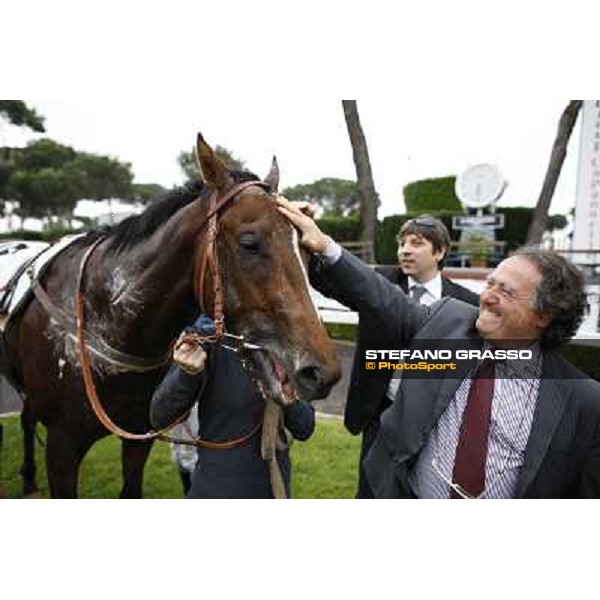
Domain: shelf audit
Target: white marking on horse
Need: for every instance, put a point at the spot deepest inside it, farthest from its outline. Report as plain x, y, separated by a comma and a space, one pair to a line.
296, 246
61, 365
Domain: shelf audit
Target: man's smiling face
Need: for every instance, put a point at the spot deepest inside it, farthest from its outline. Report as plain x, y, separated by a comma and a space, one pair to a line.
506, 305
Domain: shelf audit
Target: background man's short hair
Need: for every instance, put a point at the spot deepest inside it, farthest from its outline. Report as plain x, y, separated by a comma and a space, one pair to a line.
430, 228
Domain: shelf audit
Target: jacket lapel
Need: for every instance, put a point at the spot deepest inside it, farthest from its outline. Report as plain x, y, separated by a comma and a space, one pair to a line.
553, 397
424, 400
446, 287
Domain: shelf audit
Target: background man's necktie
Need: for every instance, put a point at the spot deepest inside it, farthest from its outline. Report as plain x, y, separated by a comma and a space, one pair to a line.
416, 293
471, 450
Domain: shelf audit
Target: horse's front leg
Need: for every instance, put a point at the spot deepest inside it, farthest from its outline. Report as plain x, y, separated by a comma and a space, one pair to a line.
64, 453
134, 455
28, 470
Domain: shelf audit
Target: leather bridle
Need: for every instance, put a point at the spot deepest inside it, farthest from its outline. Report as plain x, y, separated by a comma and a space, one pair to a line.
206, 260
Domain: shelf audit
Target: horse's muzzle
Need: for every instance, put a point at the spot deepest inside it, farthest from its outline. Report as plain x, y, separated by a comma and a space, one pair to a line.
314, 380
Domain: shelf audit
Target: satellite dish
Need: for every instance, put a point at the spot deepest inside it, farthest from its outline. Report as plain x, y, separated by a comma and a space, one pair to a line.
480, 185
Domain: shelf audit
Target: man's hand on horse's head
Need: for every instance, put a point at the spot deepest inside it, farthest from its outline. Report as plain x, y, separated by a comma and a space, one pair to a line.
301, 214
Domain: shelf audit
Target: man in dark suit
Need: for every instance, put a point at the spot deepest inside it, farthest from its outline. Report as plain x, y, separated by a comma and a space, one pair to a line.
494, 428
423, 244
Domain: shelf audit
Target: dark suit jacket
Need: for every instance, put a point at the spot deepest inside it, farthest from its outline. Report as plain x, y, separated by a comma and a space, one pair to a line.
366, 395
562, 457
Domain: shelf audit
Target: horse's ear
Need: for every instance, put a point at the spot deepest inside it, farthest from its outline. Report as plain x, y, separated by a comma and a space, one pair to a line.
272, 179
212, 169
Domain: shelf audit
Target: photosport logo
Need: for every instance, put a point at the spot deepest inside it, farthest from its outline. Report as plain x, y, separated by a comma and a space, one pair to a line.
444, 358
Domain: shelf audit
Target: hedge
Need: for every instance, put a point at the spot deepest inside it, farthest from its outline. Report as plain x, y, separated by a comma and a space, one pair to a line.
516, 224
429, 195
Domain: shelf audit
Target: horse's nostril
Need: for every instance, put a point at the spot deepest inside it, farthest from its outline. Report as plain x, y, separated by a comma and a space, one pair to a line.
315, 381
309, 373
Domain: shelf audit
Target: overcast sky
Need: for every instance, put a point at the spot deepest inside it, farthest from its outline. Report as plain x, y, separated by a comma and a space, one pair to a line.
408, 139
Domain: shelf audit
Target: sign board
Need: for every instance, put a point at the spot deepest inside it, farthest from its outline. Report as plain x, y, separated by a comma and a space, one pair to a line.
587, 205
495, 221
479, 186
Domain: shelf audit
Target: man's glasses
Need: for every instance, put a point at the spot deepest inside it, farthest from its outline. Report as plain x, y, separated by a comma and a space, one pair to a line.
456, 487
424, 222
507, 293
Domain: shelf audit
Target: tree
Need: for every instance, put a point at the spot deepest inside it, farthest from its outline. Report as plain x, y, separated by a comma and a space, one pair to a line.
368, 196
336, 197
44, 193
100, 177
37, 181
16, 112
146, 192
48, 178
43, 153
557, 158
189, 166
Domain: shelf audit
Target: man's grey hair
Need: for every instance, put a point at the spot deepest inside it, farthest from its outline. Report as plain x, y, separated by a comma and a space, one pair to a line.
561, 292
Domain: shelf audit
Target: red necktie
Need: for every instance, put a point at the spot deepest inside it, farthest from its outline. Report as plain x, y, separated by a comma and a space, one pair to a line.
471, 450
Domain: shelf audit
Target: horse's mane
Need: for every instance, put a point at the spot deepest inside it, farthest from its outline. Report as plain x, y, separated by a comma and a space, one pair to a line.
138, 228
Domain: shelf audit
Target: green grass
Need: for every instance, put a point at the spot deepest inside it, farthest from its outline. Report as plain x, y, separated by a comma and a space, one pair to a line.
326, 466
323, 467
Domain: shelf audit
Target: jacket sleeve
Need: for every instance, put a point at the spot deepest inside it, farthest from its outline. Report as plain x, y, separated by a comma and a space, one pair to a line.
299, 419
588, 483
174, 396
361, 289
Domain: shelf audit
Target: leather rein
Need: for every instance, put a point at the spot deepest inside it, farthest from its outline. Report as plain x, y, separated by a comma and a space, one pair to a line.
204, 260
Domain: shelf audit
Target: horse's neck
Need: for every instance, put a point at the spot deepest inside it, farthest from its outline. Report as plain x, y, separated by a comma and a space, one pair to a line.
150, 287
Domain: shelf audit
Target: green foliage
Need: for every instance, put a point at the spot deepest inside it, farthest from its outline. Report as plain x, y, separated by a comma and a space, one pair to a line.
431, 195
516, 224
99, 177
341, 229
585, 358
336, 197
43, 193
146, 192
556, 222
18, 113
341, 331
47, 179
44, 153
326, 466
22, 234
189, 166
233, 162
100, 472
5, 173
323, 467
517, 220
386, 247
51, 235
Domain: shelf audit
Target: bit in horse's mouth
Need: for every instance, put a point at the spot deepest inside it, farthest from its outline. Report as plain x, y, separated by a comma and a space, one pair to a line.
273, 378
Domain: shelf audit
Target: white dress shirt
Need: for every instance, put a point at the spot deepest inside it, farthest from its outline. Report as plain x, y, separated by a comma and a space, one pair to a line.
433, 289
433, 293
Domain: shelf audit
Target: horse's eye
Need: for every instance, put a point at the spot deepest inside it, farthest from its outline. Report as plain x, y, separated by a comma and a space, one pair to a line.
250, 242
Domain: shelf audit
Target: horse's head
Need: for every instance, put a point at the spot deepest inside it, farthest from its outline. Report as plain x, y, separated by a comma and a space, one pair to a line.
266, 294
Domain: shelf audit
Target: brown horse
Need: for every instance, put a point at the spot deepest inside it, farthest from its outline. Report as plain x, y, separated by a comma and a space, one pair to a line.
140, 285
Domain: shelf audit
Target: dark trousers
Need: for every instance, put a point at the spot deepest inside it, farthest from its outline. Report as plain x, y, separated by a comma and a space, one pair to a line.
368, 437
